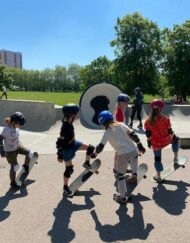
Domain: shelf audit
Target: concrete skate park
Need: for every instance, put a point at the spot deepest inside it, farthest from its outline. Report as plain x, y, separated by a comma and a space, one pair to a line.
38, 213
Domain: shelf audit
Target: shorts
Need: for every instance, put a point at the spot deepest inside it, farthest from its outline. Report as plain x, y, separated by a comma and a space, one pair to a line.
69, 154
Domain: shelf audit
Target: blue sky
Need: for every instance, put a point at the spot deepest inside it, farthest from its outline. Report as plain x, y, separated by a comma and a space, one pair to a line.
61, 32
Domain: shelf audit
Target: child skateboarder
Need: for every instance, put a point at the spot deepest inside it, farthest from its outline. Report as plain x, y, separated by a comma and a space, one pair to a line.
122, 104
10, 145
67, 145
159, 134
122, 139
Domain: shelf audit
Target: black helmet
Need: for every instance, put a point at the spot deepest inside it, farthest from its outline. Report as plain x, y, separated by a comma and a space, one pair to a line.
18, 117
70, 109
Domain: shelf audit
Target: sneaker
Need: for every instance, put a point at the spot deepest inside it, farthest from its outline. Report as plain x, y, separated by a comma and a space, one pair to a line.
86, 165
119, 199
132, 179
130, 125
176, 161
157, 178
67, 192
139, 126
14, 185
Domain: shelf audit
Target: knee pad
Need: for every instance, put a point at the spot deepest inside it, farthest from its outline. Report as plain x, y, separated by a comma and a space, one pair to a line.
90, 149
119, 176
68, 171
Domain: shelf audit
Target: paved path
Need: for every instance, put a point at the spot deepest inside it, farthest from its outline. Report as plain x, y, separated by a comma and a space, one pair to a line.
39, 213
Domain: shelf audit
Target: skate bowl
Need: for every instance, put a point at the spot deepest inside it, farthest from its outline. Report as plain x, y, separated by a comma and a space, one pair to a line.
40, 116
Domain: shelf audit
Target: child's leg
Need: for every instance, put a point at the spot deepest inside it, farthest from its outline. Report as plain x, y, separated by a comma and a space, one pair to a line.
134, 165
89, 151
157, 162
68, 172
28, 155
121, 164
12, 160
175, 149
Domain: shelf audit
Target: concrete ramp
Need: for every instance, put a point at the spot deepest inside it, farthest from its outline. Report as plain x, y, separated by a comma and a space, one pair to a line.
40, 116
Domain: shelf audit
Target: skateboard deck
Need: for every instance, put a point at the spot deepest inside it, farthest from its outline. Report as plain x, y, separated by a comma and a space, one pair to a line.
23, 174
84, 176
181, 163
141, 173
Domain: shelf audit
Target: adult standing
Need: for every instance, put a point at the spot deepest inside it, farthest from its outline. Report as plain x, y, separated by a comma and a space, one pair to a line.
137, 107
4, 90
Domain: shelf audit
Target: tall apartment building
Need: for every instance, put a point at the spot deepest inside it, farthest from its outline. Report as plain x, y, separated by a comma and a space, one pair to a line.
11, 58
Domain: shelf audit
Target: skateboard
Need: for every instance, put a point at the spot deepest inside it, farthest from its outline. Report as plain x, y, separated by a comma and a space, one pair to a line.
141, 174
84, 176
23, 174
181, 163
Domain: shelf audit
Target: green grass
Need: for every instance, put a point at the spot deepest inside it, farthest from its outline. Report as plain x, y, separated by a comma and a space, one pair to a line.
61, 98
54, 97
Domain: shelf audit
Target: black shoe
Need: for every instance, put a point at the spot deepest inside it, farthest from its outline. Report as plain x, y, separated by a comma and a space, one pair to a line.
67, 192
13, 185
140, 126
119, 199
86, 165
130, 125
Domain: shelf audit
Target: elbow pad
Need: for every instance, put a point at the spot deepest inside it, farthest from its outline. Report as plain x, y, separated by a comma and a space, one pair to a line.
134, 137
59, 143
148, 133
99, 148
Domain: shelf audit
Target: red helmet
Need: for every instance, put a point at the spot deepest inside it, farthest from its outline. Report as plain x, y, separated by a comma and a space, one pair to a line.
156, 103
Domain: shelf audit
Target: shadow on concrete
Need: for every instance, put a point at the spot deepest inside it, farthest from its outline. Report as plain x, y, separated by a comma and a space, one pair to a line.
172, 201
11, 195
127, 228
60, 231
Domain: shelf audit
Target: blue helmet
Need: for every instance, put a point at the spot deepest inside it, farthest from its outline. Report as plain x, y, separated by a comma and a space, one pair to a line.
104, 116
70, 109
123, 98
18, 118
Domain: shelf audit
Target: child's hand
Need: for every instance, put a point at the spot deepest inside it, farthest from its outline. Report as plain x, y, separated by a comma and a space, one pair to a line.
93, 155
60, 160
149, 143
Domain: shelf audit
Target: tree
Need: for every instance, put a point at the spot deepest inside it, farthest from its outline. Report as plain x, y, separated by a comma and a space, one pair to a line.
5, 76
97, 71
73, 76
138, 53
177, 58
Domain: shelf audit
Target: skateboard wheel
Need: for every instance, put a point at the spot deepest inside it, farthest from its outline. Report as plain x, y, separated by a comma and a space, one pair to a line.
144, 176
183, 166
96, 172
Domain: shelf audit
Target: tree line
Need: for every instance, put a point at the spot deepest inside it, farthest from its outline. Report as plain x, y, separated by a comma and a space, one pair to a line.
156, 60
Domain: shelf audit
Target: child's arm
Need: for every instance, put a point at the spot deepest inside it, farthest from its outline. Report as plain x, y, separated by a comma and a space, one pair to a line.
2, 152
59, 145
136, 139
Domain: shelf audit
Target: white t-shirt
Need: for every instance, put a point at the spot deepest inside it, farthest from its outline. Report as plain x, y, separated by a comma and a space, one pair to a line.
4, 90
117, 136
11, 138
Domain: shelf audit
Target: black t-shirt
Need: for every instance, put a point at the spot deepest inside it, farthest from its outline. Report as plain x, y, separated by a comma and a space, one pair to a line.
67, 131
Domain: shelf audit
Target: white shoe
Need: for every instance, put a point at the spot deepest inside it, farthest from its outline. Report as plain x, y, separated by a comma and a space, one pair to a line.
157, 178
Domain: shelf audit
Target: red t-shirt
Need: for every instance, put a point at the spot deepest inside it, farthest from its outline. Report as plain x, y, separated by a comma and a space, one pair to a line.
119, 114
160, 137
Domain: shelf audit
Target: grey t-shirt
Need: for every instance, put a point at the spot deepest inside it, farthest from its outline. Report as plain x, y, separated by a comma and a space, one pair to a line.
11, 138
